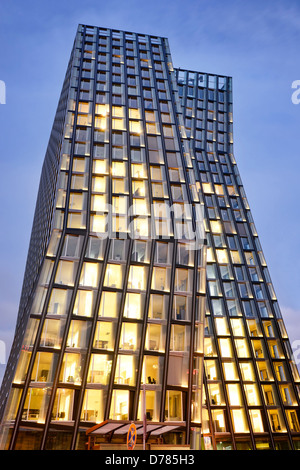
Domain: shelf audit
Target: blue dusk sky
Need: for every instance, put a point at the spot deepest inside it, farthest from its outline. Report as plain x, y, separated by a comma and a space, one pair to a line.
255, 42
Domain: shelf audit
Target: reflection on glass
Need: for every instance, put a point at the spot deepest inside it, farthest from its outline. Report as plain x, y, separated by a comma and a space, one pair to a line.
119, 405
126, 370
109, 304
134, 305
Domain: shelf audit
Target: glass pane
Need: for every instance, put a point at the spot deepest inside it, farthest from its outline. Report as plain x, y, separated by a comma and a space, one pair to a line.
99, 369
93, 406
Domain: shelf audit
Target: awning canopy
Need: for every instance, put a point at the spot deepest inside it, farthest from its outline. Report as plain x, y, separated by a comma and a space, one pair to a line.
121, 428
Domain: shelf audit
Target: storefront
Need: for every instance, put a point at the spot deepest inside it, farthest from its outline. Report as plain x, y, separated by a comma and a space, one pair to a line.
112, 435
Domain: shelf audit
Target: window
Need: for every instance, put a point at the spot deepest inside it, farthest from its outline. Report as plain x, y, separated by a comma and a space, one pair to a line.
130, 336
93, 406
99, 369
105, 335
173, 406
114, 276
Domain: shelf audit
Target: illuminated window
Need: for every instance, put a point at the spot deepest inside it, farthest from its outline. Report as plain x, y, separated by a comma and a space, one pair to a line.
134, 305
93, 406
119, 409
180, 338
230, 371
114, 276
239, 419
158, 306
66, 272
22, 367
155, 337
137, 278
63, 405
219, 420
126, 370
59, 301
225, 347
109, 304
160, 278
36, 405
99, 369
105, 335
173, 406
216, 394
130, 336
84, 303
78, 335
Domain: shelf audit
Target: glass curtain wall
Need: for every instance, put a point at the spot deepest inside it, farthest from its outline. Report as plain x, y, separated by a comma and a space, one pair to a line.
120, 300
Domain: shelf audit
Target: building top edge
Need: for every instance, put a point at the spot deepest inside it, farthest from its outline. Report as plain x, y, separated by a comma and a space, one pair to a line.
123, 31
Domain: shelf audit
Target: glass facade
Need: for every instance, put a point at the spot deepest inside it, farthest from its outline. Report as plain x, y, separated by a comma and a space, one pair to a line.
145, 278
251, 383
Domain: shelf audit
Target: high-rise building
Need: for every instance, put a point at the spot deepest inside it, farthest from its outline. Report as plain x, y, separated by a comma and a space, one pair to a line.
146, 294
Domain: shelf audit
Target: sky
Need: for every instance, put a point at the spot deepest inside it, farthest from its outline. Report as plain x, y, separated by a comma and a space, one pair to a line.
254, 42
